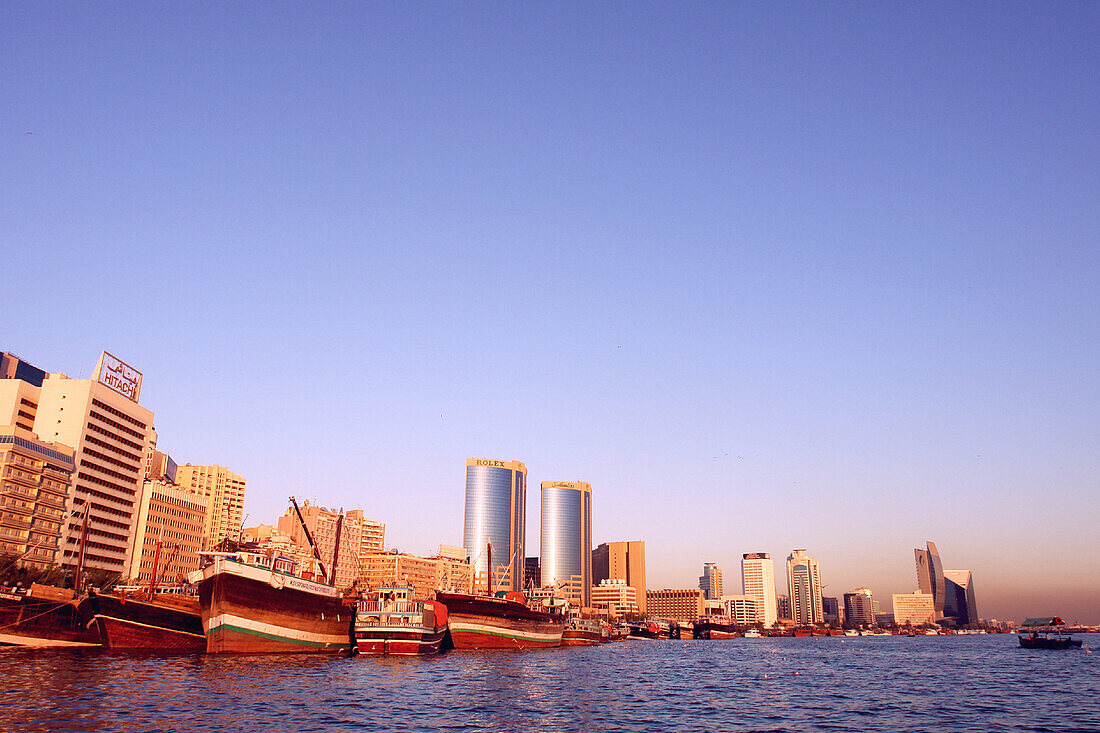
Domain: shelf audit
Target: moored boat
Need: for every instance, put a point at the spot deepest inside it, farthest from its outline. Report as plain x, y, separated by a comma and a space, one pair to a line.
715, 628
42, 616
644, 630
499, 622
753, 634
393, 623
582, 632
144, 620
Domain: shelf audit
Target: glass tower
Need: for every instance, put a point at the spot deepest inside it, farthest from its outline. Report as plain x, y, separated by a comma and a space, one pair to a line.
930, 575
566, 551
804, 585
495, 517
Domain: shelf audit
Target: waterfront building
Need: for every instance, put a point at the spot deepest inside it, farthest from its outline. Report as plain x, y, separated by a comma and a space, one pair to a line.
321, 523
834, 613
680, 604
930, 575
453, 552
959, 602
917, 608
758, 581
373, 534
710, 582
565, 558
615, 599
109, 432
223, 491
783, 607
804, 586
34, 484
532, 573
859, 607
625, 561
424, 575
742, 609
168, 532
496, 516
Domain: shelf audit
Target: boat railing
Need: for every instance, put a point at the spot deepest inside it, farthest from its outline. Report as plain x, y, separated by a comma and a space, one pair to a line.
376, 606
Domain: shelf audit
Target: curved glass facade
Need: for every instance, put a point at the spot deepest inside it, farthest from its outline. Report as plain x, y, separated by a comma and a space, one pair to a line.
566, 539
495, 514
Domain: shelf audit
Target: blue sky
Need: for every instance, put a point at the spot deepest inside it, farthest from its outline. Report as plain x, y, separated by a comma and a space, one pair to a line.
767, 276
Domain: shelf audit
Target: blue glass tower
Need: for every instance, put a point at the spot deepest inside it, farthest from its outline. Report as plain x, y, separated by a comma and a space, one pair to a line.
566, 549
495, 517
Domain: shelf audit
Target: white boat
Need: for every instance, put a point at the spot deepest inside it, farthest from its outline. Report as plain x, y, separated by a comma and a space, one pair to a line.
753, 634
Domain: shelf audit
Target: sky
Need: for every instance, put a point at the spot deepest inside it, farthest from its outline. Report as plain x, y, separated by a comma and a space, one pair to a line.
768, 276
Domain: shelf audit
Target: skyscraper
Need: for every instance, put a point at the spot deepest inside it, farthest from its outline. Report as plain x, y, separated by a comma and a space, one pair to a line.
930, 575
565, 557
223, 491
496, 517
959, 602
623, 561
758, 581
804, 585
859, 607
710, 582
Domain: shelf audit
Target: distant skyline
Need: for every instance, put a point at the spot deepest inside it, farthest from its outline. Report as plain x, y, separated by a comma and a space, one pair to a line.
766, 276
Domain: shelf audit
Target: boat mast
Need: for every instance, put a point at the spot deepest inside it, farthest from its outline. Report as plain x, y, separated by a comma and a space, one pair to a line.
156, 561
83, 544
309, 537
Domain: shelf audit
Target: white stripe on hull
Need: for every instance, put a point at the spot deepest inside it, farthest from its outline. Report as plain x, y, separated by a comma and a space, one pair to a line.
148, 626
473, 628
258, 627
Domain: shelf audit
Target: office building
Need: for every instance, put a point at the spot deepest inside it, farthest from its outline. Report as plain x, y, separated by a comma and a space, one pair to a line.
168, 534
930, 575
494, 522
742, 609
321, 523
783, 607
804, 586
710, 582
758, 581
834, 613
532, 573
424, 575
623, 561
565, 557
615, 599
373, 534
959, 602
686, 604
916, 609
859, 607
34, 484
109, 432
223, 491
452, 552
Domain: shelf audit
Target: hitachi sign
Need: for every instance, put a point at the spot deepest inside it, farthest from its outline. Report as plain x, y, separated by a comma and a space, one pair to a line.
119, 376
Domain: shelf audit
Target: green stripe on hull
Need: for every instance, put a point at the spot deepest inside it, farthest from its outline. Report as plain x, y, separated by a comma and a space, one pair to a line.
506, 635
276, 637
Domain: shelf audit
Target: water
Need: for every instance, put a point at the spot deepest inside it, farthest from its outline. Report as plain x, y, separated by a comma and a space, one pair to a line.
975, 683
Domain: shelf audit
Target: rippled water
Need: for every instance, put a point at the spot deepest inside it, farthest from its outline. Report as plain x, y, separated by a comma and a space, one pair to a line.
827, 684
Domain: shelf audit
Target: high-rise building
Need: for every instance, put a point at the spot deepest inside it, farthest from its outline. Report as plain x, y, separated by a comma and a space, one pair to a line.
321, 523
168, 533
804, 585
859, 607
565, 557
109, 432
959, 602
679, 604
758, 581
622, 561
783, 606
224, 494
710, 582
34, 483
532, 573
917, 608
495, 521
372, 533
930, 575
615, 599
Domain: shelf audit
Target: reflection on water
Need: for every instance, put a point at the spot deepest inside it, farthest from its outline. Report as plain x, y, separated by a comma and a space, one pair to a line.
836, 684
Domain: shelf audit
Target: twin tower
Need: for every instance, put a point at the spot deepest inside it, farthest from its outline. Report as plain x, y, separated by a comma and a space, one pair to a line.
495, 529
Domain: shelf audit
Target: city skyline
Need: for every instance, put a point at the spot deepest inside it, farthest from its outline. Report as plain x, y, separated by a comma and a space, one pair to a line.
767, 278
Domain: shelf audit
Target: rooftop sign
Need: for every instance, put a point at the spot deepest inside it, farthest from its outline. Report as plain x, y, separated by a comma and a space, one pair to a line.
119, 376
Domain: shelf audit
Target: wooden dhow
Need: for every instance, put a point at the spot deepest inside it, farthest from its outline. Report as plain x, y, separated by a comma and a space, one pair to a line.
393, 623
499, 622
140, 619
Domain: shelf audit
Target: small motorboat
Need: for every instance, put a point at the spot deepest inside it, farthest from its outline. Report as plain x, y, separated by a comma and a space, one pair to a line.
1044, 632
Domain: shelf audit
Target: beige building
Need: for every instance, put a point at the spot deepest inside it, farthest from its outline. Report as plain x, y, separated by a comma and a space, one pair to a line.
685, 604
615, 599
321, 523
34, 484
423, 574
914, 608
109, 431
373, 533
742, 609
623, 561
223, 491
174, 517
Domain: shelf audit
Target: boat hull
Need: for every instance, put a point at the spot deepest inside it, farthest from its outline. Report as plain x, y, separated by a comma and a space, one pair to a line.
582, 632
483, 622
397, 640
1040, 642
402, 627
252, 610
134, 623
30, 621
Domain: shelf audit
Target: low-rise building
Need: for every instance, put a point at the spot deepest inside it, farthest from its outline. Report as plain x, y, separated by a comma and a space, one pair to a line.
675, 604
615, 599
914, 608
742, 609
